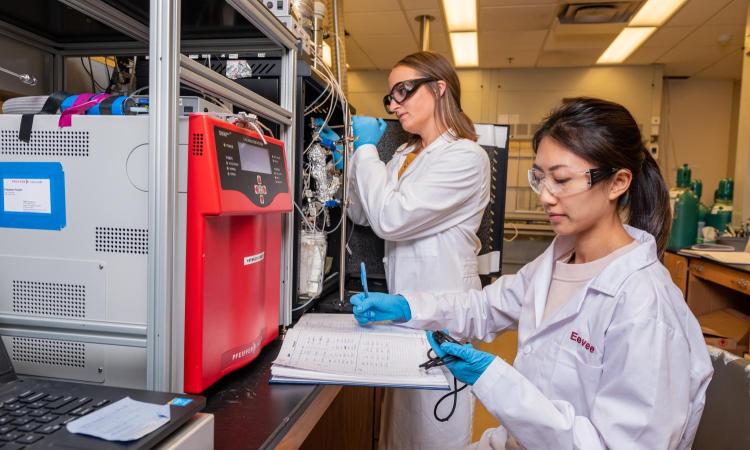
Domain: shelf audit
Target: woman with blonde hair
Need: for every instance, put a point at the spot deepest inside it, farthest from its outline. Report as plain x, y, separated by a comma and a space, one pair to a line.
427, 204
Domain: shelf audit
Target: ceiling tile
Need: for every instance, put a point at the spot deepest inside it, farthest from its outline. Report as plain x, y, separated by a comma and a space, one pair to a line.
647, 55
517, 40
682, 68
381, 49
351, 6
439, 43
356, 57
685, 60
376, 23
483, 3
418, 4
513, 18
696, 12
735, 13
667, 36
506, 58
729, 67
709, 35
570, 58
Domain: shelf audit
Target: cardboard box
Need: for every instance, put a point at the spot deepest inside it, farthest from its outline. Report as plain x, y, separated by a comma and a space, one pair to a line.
727, 329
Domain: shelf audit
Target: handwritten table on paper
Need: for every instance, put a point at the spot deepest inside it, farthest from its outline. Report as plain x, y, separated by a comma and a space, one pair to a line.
334, 348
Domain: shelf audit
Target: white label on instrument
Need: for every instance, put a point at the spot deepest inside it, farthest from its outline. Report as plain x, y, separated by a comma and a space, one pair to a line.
254, 258
27, 195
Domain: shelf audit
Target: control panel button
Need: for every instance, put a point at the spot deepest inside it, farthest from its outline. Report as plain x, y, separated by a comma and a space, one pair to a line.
263, 190
262, 200
257, 189
259, 179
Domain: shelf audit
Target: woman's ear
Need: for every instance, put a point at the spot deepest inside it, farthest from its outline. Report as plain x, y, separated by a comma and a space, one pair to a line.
440, 88
620, 184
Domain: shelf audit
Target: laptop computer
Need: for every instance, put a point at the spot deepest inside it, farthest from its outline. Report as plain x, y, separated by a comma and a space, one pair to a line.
34, 412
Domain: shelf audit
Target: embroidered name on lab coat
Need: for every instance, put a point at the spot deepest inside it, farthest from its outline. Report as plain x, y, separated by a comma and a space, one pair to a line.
581, 341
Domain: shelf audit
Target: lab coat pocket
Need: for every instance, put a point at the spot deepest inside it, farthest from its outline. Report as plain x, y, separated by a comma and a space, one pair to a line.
576, 376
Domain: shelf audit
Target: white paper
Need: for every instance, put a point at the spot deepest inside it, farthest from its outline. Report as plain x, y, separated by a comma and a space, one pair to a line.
27, 195
334, 348
741, 258
125, 420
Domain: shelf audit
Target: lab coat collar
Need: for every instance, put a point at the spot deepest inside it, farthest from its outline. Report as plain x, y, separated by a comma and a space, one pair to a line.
441, 140
608, 282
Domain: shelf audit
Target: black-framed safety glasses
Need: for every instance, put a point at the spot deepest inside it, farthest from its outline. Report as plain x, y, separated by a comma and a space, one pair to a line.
402, 90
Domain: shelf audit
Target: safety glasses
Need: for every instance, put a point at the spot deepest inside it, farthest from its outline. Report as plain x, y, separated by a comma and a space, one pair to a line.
566, 181
402, 90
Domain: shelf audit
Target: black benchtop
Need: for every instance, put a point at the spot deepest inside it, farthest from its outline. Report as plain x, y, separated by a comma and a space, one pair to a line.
249, 412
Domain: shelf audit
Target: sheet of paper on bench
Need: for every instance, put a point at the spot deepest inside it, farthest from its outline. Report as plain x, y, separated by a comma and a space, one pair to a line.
724, 257
334, 349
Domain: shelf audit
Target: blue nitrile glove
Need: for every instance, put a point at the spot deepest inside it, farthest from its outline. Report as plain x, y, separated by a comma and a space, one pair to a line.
468, 363
329, 139
367, 130
378, 306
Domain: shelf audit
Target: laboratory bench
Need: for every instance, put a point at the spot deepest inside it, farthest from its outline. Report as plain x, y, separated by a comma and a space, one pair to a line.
709, 285
250, 413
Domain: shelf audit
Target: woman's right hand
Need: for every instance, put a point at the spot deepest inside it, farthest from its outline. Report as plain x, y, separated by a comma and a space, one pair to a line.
377, 306
367, 130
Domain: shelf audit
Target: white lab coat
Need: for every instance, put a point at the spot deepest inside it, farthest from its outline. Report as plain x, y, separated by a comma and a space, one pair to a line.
621, 366
429, 219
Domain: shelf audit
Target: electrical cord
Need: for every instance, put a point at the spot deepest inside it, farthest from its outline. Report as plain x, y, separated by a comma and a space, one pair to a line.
454, 394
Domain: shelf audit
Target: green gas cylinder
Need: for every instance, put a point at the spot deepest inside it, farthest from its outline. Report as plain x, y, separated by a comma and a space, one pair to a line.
683, 176
697, 186
684, 231
721, 211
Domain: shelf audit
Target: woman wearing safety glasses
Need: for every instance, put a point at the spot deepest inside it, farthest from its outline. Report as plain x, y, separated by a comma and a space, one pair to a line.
427, 204
609, 356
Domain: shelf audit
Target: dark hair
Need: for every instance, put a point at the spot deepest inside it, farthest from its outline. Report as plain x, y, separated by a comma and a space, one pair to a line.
605, 134
448, 107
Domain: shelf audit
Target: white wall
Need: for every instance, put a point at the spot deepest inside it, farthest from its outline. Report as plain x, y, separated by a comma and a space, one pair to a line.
742, 153
367, 88
527, 95
698, 117
697, 129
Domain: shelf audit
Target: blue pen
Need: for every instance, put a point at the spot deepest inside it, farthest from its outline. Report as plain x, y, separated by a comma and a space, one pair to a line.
363, 276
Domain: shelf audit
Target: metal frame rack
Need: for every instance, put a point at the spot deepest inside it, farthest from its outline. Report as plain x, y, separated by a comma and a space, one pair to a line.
161, 39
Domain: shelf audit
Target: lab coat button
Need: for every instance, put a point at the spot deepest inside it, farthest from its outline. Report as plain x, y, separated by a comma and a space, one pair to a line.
526, 349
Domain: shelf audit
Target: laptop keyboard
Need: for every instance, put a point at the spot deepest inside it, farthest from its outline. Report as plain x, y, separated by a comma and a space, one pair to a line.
31, 416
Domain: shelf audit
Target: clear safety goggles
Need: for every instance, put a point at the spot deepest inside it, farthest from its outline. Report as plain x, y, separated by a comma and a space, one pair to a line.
402, 90
565, 181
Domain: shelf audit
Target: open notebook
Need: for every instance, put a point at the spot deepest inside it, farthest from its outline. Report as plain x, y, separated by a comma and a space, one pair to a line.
334, 349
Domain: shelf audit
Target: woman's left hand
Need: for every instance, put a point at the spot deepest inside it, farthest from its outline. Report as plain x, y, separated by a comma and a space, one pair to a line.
367, 130
467, 363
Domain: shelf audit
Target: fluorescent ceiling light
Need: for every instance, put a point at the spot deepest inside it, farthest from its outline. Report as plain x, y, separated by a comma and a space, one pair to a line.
625, 44
465, 49
656, 12
460, 15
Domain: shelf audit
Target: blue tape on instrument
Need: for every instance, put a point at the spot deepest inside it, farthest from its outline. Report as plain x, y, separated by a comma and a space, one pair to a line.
33, 195
117, 106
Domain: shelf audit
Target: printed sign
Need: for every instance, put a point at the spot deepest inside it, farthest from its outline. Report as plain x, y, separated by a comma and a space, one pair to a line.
27, 195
